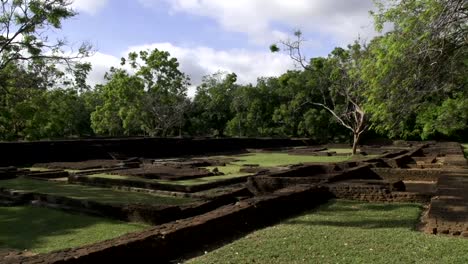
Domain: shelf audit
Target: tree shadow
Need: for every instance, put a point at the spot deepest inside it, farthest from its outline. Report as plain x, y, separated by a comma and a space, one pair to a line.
34, 228
343, 207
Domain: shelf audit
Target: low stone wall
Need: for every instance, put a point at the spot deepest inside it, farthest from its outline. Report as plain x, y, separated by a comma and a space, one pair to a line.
398, 174
306, 174
145, 213
173, 240
448, 211
53, 174
402, 160
24, 153
376, 192
108, 182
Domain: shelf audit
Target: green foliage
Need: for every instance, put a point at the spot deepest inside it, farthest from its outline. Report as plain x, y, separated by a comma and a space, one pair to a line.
32, 108
253, 108
417, 71
23, 24
48, 230
212, 103
119, 113
152, 101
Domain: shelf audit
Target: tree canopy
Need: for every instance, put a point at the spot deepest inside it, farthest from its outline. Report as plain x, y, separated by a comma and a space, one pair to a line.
408, 82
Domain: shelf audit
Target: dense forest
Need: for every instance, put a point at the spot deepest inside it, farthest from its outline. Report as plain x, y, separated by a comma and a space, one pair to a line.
410, 82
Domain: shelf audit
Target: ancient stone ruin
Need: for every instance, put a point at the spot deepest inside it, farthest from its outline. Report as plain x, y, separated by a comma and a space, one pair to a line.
433, 173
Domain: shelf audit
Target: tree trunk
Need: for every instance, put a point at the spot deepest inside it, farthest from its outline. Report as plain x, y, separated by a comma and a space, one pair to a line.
356, 137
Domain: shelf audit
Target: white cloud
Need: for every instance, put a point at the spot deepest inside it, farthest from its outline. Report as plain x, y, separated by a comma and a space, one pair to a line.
89, 6
339, 20
101, 63
199, 61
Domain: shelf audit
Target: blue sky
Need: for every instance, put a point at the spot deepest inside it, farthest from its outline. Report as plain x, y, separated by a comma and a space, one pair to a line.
211, 35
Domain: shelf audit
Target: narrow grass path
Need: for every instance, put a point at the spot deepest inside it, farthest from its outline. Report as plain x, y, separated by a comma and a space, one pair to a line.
103, 195
344, 232
42, 230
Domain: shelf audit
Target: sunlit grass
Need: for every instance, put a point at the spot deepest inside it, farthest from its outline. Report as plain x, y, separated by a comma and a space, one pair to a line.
344, 232
38, 169
282, 159
340, 150
43, 230
103, 195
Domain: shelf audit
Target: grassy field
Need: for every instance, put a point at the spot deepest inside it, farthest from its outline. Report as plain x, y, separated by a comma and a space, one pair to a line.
282, 159
42, 230
344, 232
97, 194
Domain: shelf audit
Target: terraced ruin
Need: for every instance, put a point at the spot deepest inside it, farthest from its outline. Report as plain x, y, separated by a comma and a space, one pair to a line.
187, 200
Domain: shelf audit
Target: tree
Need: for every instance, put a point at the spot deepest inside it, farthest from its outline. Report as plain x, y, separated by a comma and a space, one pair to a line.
152, 100
164, 101
417, 71
213, 101
23, 24
120, 112
338, 80
253, 108
33, 105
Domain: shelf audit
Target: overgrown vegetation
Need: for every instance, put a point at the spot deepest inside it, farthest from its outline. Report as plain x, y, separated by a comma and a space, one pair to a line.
344, 232
41, 230
103, 195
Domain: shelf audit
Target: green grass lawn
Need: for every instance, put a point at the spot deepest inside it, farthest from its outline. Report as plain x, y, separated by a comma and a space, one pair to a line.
282, 159
103, 195
344, 232
42, 230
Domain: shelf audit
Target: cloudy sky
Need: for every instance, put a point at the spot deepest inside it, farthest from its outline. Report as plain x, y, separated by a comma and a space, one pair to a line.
211, 35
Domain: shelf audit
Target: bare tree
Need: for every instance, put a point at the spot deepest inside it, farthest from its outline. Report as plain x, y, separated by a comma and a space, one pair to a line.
338, 81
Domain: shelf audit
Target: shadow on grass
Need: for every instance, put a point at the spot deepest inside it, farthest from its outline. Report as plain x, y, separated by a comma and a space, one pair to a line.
359, 215
42, 230
103, 195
